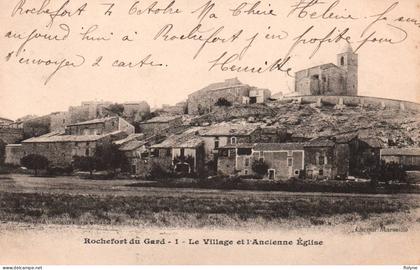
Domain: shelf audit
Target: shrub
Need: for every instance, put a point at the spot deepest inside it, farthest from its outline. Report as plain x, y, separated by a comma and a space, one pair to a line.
260, 167
110, 157
35, 162
53, 171
222, 102
156, 172
84, 164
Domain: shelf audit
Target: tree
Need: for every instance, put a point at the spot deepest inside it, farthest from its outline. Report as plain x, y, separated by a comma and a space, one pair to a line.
35, 162
222, 102
85, 164
260, 167
2, 151
117, 109
110, 157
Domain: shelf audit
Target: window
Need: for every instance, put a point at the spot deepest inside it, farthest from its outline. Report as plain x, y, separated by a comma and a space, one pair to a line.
87, 152
216, 142
155, 153
289, 162
169, 152
321, 172
342, 61
223, 152
321, 159
246, 162
246, 172
271, 174
244, 151
233, 140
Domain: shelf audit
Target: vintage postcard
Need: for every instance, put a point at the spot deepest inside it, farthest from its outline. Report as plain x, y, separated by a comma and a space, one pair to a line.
209, 132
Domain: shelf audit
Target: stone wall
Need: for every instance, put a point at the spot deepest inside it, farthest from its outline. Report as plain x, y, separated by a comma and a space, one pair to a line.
204, 101
320, 162
11, 135
13, 153
357, 101
61, 154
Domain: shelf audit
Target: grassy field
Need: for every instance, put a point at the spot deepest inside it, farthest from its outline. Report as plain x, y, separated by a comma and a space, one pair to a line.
75, 201
116, 204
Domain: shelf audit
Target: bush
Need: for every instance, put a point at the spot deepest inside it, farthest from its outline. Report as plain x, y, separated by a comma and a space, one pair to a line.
156, 172
57, 171
84, 164
260, 167
222, 102
34, 162
110, 157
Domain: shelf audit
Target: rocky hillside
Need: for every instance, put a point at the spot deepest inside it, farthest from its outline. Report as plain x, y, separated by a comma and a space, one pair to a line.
394, 127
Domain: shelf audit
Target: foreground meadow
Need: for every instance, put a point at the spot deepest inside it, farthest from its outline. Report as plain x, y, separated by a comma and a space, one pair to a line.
70, 200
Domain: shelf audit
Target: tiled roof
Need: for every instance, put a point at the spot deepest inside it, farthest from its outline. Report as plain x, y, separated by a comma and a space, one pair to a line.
345, 138
220, 85
372, 142
131, 137
239, 145
230, 130
68, 138
162, 119
400, 152
93, 121
132, 145
322, 66
278, 146
320, 142
188, 139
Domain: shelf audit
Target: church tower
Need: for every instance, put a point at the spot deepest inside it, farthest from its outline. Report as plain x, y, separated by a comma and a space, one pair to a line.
348, 61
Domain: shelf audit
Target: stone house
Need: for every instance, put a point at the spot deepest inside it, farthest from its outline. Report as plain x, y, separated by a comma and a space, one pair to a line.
284, 160
204, 100
59, 121
222, 134
136, 147
181, 153
100, 126
13, 154
5, 121
320, 159
136, 111
36, 126
177, 109
257, 95
408, 157
330, 79
273, 134
60, 149
9, 135
160, 124
80, 139
364, 155
135, 151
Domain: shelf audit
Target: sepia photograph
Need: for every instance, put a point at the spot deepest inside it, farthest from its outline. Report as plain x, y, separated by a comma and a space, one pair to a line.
192, 132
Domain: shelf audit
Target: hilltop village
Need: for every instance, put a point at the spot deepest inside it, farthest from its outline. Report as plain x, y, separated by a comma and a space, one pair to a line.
323, 130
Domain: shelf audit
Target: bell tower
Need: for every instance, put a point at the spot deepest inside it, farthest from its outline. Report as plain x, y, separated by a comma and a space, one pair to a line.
348, 61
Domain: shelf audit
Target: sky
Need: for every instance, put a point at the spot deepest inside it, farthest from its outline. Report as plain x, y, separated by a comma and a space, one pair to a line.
389, 71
